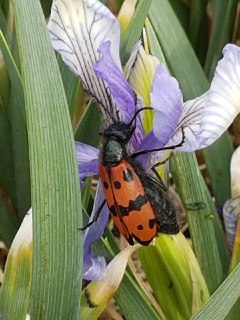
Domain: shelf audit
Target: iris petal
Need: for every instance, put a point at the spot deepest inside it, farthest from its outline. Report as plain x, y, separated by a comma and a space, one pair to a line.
121, 91
87, 159
231, 211
93, 267
77, 29
141, 74
223, 103
140, 78
167, 102
205, 118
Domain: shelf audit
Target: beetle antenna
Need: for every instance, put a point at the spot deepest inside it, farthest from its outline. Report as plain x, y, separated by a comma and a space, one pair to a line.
137, 112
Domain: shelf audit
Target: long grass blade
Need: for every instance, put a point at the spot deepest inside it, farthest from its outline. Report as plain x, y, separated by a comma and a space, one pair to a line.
223, 299
134, 29
55, 186
222, 26
16, 115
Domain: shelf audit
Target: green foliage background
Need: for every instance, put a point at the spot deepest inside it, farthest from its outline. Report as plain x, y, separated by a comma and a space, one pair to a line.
41, 101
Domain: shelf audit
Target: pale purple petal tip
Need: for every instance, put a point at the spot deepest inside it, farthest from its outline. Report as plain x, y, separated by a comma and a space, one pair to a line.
167, 101
121, 91
87, 159
94, 266
231, 211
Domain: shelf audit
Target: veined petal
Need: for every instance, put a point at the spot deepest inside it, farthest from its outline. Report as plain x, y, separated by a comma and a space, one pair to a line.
167, 102
190, 124
94, 267
205, 118
140, 78
223, 103
87, 159
77, 29
231, 211
109, 71
141, 74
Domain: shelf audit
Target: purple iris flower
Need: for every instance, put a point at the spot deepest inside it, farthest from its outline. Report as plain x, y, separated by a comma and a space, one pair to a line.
87, 36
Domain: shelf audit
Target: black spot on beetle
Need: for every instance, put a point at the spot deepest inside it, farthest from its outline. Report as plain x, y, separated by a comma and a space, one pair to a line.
105, 185
151, 223
117, 185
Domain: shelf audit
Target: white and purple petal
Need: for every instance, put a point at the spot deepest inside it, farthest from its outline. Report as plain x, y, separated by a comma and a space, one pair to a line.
77, 28
205, 118
109, 71
87, 159
223, 101
94, 267
190, 124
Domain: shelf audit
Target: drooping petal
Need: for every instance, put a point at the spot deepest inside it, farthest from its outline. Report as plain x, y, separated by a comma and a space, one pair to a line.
223, 103
94, 267
77, 29
231, 211
109, 71
205, 118
167, 102
100, 292
235, 173
87, 159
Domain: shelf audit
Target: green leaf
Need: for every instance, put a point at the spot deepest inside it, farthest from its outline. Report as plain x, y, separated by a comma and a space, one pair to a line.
182, 12
8, 223
177, 49
168, 274
224, 13
218, 168
54, 178
202, 218
198, 28
134, 30
222, 300
19, 143
4, 7
211, 251
71, 85
89, 124
6, 163
4, 26
156, 49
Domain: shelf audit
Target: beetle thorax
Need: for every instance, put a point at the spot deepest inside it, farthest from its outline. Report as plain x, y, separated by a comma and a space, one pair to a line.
112, 152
